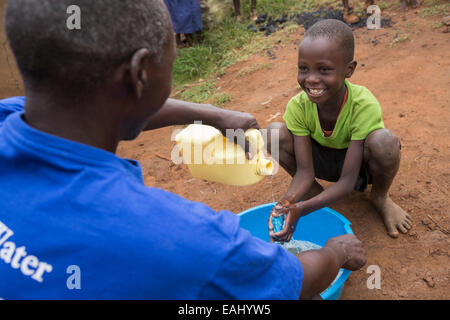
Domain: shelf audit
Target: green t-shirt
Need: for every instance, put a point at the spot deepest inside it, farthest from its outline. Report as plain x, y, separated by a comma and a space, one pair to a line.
360, 116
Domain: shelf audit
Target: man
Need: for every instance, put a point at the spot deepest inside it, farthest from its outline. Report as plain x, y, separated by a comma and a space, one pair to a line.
69, 204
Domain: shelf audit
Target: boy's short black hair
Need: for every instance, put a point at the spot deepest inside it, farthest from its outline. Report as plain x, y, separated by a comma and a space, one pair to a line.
335, 30
48, 53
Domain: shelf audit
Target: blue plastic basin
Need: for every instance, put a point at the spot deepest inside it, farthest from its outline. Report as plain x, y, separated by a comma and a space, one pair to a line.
316, 227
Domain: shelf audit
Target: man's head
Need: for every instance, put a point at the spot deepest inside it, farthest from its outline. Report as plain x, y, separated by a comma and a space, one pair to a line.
121, 41
325, 59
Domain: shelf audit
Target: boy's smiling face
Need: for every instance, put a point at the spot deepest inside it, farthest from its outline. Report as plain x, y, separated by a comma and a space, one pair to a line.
322, 69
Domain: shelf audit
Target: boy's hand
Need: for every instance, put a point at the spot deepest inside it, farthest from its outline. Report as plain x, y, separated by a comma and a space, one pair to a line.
293, 212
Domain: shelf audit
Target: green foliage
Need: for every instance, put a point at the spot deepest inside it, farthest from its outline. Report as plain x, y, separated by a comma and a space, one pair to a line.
253, 68
227, 42
435, 7
220, 99
199, 93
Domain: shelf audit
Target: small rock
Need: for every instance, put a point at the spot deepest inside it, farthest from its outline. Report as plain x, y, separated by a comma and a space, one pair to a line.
261, 18
446, 20
426, 222
401, 115
271, 55
429, 281
363, 65
403, 294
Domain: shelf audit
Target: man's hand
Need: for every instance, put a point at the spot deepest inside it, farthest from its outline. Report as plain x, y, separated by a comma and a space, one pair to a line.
293, 212
353, 251
230, 119
235, 120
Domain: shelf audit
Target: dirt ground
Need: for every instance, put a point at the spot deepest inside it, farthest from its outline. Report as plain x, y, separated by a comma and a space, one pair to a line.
411, 81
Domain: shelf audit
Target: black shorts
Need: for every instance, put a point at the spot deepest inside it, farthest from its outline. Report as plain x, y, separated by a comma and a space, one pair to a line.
328, 163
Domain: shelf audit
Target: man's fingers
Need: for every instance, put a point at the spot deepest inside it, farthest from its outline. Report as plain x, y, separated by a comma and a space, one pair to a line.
254, 125
245, 145
249, 152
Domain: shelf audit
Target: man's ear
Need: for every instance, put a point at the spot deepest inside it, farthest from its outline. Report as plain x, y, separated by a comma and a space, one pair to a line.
351, 66
139, 77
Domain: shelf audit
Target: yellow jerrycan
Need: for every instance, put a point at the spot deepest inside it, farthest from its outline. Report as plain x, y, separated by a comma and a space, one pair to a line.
211, 156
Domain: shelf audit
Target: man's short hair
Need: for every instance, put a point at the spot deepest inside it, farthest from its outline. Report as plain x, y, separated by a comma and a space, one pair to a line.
48, 53
336, 30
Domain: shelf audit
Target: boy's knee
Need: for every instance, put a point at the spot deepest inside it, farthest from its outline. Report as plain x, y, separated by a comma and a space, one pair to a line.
278, 135
383, 146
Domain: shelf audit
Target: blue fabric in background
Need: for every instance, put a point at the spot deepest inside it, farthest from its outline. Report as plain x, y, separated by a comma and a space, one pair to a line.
186, 15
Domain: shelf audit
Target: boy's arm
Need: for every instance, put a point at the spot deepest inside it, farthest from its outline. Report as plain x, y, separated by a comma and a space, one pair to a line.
177, 112
301, 182
337, 191
304, 176
346, 182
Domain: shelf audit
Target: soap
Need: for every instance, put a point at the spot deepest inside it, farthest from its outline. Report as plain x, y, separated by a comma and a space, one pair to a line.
278, 223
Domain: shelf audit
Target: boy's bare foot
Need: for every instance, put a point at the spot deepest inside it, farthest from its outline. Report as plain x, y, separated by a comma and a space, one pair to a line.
239, 18
395, 219
253, 15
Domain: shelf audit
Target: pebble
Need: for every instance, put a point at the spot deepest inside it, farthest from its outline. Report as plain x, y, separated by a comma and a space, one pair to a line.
429, 281
446, 20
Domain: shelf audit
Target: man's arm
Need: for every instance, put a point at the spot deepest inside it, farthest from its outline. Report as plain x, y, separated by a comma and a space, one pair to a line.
320, 267
177, 112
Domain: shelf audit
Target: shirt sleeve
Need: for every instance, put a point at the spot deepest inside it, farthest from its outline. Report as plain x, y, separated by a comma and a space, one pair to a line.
366, 119
295, 116
255, 270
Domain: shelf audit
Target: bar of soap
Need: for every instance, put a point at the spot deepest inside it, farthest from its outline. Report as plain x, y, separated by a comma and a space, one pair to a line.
278, 223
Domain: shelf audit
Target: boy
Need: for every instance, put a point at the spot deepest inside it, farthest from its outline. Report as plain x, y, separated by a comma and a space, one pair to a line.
334, 131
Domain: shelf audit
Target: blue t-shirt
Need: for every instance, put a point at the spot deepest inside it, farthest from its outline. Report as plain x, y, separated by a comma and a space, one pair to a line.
77, 222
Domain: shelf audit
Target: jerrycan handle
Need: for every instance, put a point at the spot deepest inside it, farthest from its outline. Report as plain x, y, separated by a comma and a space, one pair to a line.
264, 166
255, 139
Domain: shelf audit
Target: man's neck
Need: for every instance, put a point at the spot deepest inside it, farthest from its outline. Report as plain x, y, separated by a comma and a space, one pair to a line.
73, 120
